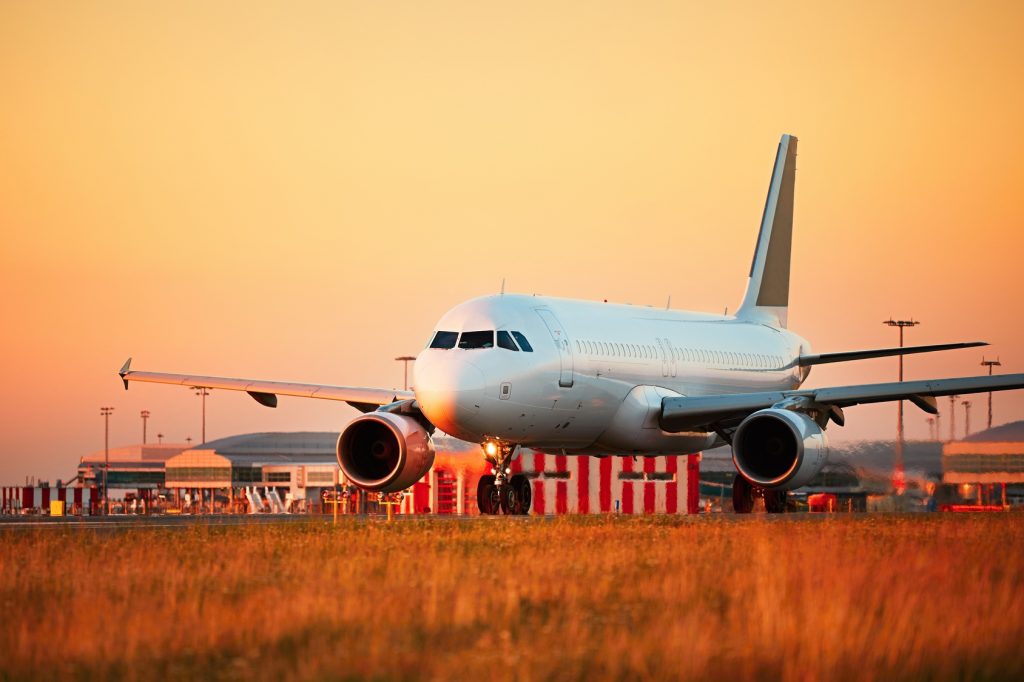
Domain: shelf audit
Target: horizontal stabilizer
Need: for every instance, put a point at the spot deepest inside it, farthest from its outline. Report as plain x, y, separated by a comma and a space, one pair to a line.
825, 358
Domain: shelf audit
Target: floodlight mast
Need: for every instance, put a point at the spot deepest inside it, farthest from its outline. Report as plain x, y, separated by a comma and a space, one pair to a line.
898, 466
202, 391
990, 364
105, 412
406, 359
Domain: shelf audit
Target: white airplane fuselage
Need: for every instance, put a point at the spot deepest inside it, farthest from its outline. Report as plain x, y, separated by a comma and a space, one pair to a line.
596, 375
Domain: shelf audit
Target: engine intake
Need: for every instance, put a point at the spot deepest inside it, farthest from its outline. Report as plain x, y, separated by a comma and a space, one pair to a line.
385, 452
779, 449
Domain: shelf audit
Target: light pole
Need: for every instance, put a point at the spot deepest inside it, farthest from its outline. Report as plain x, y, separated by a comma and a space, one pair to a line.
967, 418
159, 438
406, 359
900, 324
952, 417
145, 416
201, 391
897, 473
105, 412
990, 364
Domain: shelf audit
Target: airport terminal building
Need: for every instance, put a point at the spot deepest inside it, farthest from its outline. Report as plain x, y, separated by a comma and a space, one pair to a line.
988, 466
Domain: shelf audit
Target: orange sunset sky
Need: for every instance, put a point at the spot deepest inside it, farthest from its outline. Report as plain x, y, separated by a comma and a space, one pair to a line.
298, 190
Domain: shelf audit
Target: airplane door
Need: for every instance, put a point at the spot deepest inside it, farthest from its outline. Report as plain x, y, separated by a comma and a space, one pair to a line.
670, 351
561, 343
663, 352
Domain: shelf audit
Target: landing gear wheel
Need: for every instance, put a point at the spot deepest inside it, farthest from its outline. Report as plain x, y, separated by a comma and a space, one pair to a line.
742, 495
487, 495
524, 491
775, 501
516, 496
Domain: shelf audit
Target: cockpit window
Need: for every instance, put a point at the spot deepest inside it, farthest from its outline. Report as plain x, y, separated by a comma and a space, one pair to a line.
444, 340
470, 340
505, 341
523, 343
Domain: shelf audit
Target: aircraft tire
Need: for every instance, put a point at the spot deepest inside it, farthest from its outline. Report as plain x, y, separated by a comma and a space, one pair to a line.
742, 495
487, 496
775, 501
522, 495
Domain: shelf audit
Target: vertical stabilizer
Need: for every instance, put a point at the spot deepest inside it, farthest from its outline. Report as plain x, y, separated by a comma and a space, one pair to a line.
767, 296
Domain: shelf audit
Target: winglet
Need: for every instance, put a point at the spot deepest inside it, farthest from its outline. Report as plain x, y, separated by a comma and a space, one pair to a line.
124, 372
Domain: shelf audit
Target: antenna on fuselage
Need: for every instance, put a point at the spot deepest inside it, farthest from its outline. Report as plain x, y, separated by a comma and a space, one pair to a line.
669, 303
502, 286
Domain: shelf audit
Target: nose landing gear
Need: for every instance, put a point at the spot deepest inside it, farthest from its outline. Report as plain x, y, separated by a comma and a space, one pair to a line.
500, 493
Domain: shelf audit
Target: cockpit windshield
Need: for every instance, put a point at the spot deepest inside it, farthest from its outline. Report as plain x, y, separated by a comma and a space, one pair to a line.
505, 341
473, 340
523, 343
444, 340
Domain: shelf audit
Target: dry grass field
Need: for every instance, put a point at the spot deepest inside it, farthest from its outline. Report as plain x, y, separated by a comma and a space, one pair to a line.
847, 597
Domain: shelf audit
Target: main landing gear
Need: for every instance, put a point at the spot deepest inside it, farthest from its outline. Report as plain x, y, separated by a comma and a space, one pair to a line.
500, 493
744, 492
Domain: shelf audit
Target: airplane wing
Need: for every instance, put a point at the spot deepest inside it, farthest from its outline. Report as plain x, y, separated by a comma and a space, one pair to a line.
824, 358
718, 412
266, 392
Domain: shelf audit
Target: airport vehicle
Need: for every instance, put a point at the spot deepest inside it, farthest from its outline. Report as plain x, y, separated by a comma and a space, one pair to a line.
579, 377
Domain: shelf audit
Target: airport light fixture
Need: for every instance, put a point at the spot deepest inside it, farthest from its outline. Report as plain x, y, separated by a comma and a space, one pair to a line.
952, 417
203, 392
898, 479
105, 412
967, 418
145, 416
901, 325
406, 359
990, 364
159, 438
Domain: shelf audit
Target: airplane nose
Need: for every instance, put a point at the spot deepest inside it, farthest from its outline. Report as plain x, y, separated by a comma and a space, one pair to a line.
450, 391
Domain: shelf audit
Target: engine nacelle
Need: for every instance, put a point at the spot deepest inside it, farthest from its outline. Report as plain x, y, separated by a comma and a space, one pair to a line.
385, 452
779, 449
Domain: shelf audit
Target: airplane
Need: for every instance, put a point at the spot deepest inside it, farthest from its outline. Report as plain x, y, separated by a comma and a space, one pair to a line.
578, 377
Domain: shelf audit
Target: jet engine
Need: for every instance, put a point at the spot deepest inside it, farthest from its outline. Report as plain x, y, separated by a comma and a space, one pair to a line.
385, 452
779, 449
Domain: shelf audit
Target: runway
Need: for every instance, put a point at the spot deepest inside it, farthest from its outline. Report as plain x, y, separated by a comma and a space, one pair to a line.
120, 522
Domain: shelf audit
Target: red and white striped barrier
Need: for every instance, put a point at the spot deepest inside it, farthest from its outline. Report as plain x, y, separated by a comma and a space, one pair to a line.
15, 499
591, 485
568, 485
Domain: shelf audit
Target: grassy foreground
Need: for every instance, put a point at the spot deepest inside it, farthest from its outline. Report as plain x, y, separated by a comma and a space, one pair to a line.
848, 597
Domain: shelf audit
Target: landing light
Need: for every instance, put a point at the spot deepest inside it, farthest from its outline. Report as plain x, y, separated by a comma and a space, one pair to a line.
491, 448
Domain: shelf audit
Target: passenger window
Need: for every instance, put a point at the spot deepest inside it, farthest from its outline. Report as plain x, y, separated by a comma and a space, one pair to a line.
444, 340
523, 343
476, 340
505, 341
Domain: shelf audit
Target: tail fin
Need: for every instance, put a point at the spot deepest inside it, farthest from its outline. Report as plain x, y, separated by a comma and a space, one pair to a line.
767, 296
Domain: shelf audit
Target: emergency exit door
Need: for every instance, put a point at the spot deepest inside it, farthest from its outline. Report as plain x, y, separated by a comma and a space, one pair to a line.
561, 343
